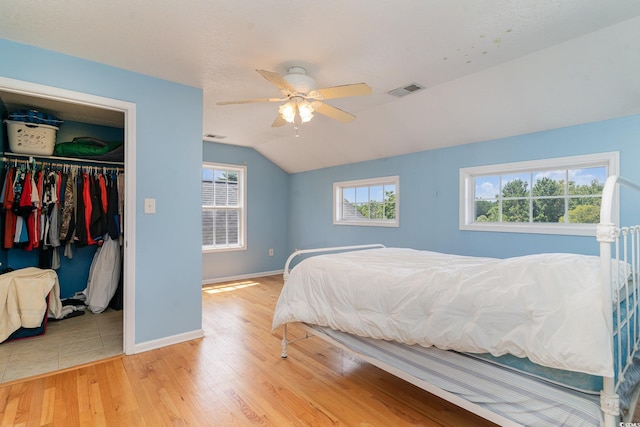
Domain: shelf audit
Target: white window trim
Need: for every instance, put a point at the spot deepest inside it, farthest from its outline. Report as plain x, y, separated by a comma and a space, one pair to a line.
337, 201
243, 220
467, 203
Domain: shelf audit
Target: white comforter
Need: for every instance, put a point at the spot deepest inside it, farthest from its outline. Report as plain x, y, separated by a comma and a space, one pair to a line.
546, 307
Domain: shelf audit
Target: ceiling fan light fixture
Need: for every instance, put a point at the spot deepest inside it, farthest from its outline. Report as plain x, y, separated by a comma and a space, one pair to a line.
288, 111
305, 110
299, 107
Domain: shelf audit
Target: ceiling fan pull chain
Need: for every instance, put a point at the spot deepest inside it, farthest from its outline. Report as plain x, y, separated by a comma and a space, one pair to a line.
297, 121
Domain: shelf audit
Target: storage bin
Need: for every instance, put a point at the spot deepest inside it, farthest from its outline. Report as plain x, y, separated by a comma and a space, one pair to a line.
30, 138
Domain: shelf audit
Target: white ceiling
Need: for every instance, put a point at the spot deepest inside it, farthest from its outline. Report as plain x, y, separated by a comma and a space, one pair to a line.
491, 68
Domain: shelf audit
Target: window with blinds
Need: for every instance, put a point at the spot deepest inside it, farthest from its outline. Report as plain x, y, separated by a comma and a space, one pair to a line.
223, 207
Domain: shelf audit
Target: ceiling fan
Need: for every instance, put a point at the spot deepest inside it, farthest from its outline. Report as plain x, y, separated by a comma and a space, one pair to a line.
303, 98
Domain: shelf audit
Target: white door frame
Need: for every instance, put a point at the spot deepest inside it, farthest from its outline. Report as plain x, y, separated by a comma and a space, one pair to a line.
129, 110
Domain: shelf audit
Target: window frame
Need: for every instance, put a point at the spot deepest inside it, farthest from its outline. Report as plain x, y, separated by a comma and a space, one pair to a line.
242, 198
610, 160
338, 188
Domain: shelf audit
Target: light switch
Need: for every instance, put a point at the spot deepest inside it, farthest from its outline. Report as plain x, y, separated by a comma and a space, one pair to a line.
149, 206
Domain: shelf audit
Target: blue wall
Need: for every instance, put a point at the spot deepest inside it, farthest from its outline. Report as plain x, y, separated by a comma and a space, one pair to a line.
429, 193
288, 211
267, 217
167, 282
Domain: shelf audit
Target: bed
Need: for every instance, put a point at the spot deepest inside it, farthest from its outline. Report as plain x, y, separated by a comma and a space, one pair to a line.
542, 339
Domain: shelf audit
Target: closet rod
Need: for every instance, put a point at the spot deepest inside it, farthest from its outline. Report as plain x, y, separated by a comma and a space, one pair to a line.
32, 161
30, 158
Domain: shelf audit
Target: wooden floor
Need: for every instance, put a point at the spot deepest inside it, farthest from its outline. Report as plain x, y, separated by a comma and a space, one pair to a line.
232, 377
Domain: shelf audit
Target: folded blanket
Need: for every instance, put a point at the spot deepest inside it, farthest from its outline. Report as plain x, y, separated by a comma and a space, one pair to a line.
23, 299
90, 148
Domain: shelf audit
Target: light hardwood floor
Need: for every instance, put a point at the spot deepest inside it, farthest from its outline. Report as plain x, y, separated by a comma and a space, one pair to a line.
232, 377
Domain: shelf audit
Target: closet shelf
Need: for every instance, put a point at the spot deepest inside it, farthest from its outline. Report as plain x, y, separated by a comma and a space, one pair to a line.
10, 156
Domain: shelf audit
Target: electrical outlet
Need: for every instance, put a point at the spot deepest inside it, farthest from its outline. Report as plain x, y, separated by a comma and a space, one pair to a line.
271, 252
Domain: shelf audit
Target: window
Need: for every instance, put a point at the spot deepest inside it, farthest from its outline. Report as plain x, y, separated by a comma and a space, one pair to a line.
550, 196
372, 202
223, 207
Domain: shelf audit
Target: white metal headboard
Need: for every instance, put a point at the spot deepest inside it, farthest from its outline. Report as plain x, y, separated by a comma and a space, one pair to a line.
618, 245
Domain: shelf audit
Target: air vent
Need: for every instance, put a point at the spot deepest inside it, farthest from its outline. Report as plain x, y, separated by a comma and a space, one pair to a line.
214, 136
405, 90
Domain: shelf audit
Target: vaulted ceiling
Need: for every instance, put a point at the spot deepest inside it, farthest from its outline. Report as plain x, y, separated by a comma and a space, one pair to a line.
490, 68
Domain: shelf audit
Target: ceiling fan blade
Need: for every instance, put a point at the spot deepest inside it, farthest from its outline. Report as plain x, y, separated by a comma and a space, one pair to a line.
356, 89
248, 101
335, 113
279, 121
277, 80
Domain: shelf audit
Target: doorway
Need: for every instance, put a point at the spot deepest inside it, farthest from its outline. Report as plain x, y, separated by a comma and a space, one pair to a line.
81, 106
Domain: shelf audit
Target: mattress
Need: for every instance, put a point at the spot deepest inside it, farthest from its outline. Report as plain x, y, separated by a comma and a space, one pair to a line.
579, 381
513, 396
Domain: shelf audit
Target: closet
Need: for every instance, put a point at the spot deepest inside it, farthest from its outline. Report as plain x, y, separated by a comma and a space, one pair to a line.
61, 214
88, 253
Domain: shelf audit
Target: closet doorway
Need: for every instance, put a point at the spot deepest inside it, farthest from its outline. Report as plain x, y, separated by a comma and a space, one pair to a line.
86, 108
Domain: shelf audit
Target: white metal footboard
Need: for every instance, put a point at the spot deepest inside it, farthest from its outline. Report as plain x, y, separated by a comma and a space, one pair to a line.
298, 252
618, 245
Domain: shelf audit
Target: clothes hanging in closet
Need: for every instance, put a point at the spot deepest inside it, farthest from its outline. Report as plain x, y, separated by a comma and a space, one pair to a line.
38, 214
70, 207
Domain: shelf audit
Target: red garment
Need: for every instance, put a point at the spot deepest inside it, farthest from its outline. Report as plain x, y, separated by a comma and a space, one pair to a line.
7, 204
103, 193
86, 197
37, 217
59, 184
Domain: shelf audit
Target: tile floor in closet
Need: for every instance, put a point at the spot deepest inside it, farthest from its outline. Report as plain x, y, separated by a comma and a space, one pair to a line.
66, 343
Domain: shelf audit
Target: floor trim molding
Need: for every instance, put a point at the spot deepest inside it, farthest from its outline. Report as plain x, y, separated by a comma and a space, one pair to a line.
163, 342
240, 277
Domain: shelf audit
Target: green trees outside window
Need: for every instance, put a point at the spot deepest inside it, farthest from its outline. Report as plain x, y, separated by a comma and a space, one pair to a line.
367, 202
374, 209
555, 197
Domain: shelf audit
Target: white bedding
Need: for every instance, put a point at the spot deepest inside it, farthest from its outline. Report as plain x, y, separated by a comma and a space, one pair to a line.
546, 307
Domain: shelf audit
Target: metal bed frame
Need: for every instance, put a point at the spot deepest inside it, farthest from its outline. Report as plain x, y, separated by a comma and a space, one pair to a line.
619, 244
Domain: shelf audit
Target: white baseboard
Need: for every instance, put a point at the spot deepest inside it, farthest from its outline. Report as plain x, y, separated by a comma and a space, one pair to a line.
240, 277
199, 333
163, 342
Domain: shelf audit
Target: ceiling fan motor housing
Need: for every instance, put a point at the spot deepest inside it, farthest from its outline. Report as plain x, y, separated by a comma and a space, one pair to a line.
297, 77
